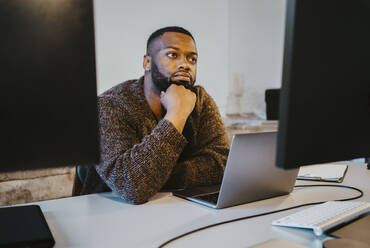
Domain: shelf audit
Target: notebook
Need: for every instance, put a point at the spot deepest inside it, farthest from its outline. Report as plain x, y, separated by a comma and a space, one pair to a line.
332, 172
250, 174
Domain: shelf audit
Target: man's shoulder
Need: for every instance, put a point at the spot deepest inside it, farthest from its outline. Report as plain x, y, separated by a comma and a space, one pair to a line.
122, 89
128, 92
205, 102
202, 94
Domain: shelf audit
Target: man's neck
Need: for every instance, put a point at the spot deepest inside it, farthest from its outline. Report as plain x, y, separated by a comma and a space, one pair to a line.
152, 97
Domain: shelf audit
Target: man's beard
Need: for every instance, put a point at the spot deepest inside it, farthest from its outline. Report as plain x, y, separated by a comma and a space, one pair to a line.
161, 82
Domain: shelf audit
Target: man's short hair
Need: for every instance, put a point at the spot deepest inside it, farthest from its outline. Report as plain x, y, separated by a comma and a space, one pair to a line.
161, 31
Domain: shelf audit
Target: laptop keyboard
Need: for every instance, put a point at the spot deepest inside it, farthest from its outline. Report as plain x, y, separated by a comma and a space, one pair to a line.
212, 198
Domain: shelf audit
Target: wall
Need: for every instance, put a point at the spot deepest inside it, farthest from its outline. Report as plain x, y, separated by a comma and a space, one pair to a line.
256, 37
123, 27
239, 42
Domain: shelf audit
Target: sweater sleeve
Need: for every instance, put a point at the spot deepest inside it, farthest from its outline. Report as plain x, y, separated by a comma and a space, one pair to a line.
206, 163
135, 169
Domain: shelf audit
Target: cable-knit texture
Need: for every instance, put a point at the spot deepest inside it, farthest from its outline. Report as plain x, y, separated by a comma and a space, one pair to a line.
140, 156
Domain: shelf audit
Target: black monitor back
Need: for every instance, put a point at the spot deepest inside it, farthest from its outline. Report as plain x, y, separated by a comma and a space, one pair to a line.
48, 113
325, 95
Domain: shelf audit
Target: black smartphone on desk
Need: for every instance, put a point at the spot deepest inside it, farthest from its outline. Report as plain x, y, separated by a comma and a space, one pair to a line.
24, 226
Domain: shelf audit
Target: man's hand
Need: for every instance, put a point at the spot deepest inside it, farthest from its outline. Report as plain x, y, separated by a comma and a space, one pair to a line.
179, 103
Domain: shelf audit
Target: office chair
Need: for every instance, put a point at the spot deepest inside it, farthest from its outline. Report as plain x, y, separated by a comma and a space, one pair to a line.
272, 99
79, 179
81, 172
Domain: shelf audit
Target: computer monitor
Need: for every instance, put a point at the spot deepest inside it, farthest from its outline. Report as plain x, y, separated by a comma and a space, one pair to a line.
48, 108
48, 112
325, 95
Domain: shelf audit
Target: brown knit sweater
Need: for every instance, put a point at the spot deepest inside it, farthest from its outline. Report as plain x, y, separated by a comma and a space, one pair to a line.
140, 155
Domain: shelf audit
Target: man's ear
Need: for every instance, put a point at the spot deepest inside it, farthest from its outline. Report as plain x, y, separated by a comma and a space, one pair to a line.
147, 63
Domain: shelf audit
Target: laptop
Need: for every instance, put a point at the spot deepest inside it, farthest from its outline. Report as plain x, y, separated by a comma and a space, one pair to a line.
250, 174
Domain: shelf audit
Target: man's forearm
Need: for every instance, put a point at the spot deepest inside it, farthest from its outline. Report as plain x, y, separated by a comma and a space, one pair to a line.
177, 121
140, 171
206, 168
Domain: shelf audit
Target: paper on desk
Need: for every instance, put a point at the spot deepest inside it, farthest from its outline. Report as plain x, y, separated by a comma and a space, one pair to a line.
323, 172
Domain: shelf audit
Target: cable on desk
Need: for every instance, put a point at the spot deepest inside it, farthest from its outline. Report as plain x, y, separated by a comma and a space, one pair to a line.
272, 212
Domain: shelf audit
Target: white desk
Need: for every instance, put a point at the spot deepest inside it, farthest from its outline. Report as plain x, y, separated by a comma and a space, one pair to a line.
104, 220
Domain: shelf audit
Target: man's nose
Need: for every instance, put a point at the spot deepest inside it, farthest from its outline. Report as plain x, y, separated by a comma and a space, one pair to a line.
183, 64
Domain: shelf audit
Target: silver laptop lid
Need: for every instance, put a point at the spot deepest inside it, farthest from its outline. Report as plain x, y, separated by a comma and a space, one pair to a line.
250, 172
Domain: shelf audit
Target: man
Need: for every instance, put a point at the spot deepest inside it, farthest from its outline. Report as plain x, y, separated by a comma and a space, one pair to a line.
159, 132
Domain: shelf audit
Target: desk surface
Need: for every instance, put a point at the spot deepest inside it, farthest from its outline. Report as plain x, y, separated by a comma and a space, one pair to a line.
104, 220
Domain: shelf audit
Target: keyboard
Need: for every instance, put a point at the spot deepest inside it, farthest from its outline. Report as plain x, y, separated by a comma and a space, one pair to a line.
324, 216
212, 198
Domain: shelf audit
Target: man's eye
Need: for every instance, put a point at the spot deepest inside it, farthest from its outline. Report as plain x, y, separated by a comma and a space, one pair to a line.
172, 55
193, 60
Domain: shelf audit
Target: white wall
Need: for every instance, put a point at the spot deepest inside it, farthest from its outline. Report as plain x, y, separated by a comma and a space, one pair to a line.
256, 31
123, 27
239, 41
